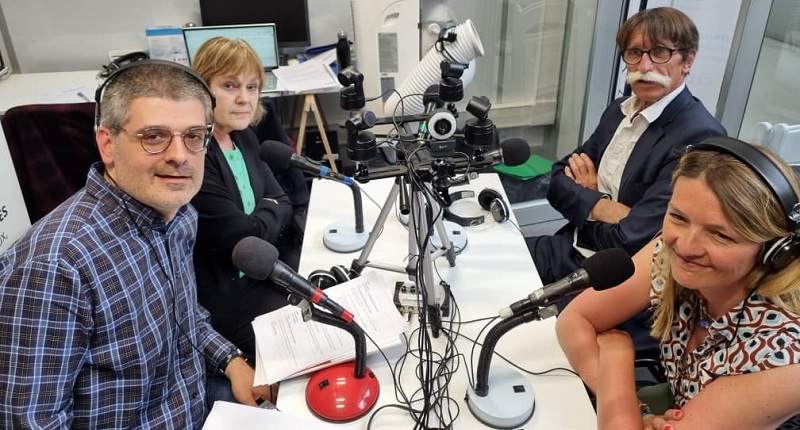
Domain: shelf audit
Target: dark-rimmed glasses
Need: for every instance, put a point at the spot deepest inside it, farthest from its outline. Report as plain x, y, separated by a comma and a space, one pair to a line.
155, 140
658, 55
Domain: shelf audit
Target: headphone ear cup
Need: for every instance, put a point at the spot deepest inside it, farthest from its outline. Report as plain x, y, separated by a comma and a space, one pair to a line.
490, 200
499, 210
341, 273
779, 253
486, 196
322, 279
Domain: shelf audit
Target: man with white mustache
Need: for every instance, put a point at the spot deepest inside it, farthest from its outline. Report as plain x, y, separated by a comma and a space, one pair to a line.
614, 189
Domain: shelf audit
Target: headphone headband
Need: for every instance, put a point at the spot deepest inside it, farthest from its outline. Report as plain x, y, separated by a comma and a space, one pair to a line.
759, 163
98, 94
488, 199
464, 221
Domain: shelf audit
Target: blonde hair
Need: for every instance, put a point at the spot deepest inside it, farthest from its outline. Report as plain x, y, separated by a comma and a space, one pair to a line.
754, 212
221, 56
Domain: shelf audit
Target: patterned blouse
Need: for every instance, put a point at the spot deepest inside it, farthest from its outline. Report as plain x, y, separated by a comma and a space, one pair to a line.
754, 335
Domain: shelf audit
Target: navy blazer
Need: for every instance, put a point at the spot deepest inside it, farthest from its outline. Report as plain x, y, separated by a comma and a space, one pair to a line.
645, 183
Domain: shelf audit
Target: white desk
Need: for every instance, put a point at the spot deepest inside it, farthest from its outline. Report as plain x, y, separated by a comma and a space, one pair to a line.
57, 87
494, 271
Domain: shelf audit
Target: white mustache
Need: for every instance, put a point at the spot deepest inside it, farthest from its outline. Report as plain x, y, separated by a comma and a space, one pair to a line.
651, 76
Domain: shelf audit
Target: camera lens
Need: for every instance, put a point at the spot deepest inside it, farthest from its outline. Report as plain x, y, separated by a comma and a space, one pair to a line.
441, 124
443, 127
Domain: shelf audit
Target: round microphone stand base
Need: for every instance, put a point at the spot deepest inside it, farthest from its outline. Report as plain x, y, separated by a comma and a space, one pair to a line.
455, 234
509, 403
335, 394
341, 236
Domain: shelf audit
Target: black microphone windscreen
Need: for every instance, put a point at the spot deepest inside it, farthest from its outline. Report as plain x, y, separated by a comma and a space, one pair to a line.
277, 155
516, 151
255, 257
608, 268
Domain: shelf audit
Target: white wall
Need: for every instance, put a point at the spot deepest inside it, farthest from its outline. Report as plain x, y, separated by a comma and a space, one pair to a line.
59, 35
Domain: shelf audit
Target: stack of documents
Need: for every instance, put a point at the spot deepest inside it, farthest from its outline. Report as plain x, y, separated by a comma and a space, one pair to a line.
314, 75
287, 346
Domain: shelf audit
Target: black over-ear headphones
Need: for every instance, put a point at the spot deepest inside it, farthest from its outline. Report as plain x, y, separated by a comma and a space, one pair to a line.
782, 251
489, 199
327, 278
98, 94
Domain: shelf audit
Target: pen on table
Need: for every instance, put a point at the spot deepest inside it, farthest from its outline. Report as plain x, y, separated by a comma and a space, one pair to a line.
83, 96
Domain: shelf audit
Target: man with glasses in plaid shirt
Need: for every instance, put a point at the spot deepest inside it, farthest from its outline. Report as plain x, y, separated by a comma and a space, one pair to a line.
100, 326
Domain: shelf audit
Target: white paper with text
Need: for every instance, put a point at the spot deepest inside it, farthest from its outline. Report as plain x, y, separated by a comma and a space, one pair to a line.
226, 415
309, 76
287, 346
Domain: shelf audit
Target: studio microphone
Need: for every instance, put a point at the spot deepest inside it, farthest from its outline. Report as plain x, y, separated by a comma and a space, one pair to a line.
280, 156
347, 236
258, 259
605, 269
512, 152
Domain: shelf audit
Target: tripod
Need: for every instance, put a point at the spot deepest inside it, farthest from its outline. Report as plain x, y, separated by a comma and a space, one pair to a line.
420, 264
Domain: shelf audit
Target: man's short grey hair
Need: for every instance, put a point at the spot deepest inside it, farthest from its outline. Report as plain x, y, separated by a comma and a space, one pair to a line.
149, 80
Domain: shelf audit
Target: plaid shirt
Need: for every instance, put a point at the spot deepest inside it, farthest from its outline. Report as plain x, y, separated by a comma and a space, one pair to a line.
99, 322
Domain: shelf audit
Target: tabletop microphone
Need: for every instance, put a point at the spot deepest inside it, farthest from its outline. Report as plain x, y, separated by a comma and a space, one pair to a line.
280, 156
512, 152
605, 269
341, 236
258, 259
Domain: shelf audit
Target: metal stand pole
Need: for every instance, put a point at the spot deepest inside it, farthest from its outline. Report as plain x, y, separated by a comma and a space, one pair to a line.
420, 266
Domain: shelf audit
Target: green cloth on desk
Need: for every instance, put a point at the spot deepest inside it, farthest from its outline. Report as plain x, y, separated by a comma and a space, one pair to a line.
535, 166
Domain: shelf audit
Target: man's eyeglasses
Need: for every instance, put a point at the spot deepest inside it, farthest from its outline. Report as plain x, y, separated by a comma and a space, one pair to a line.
658, 55
156, 139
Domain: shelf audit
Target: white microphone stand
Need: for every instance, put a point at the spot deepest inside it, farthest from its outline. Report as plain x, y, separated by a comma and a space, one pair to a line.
503, 398
342, 235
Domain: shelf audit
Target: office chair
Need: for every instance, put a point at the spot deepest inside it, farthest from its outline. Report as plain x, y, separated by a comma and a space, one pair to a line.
762, 134
52, 147
785, 141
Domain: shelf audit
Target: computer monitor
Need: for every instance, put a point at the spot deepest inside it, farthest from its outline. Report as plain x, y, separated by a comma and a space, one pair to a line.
262, 37
290, 17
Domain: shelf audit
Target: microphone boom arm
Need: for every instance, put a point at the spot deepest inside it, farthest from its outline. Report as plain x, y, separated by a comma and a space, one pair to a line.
358, 205
493, 336
351, 327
